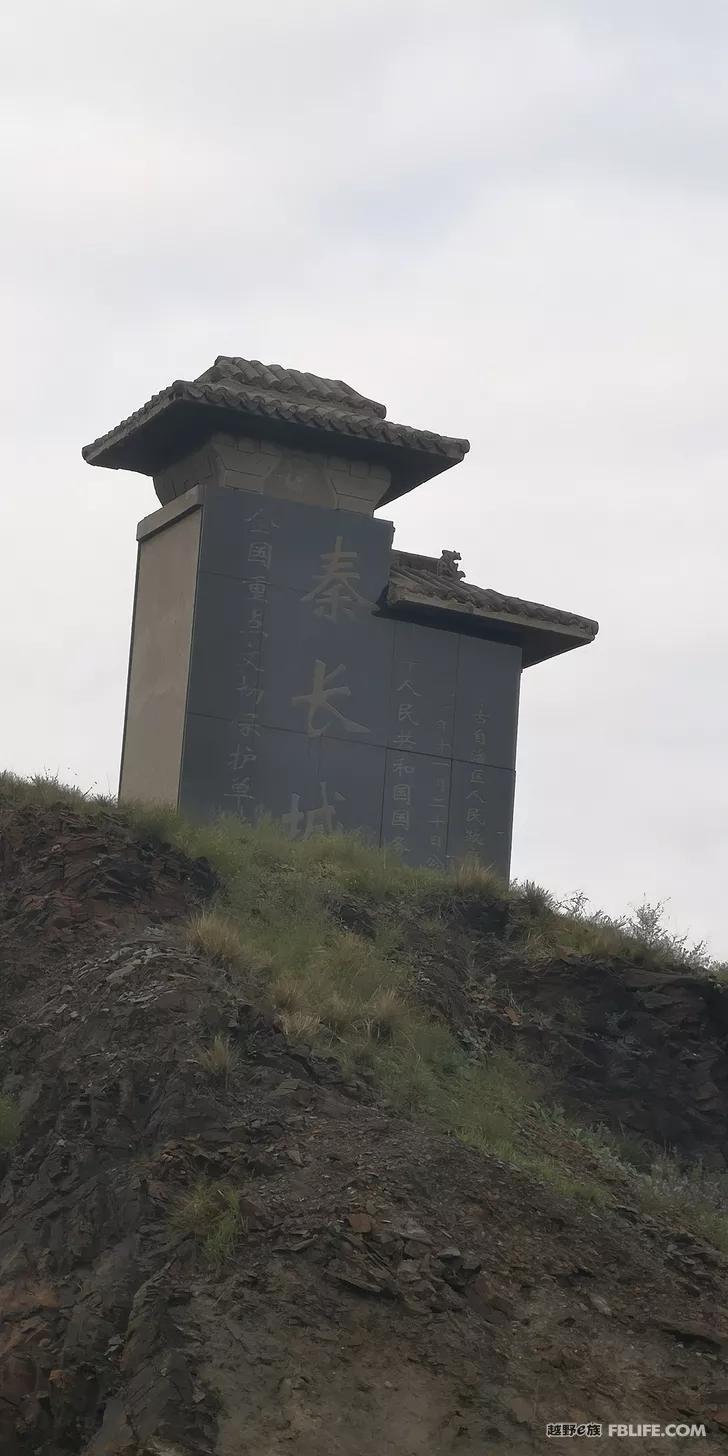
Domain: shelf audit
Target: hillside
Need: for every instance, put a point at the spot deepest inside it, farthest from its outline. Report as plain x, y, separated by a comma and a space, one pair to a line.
305, 1152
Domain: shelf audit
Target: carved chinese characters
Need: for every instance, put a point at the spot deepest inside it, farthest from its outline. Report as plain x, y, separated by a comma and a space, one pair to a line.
321, 702
244, 757
313, 703
335, 593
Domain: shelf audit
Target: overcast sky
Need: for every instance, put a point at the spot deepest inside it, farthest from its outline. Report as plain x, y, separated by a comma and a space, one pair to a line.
508, 219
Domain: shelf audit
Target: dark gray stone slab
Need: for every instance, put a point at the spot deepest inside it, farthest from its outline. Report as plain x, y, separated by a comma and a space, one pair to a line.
320, 786
220, 769
308, 785
340, 563
325, 678
416, 800
228, 643
432, 811
339, 560
290, 779
307, 706
422, 692
353, 776
481, 814
486, 705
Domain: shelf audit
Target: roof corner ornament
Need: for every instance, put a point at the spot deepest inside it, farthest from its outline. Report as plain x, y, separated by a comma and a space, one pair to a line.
447, 566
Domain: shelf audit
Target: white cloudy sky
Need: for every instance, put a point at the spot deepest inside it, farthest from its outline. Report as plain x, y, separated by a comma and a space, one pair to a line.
506, 218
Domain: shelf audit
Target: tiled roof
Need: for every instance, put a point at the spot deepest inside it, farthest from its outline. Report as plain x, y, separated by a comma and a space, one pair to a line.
250, 373
270, 392
425, 581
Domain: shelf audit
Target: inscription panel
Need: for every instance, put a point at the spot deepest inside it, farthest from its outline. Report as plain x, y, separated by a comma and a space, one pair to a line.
307, 705
214, 779
422, 692
312, 786
340, 555
486, 715
415, 811
354, 774
308, 785
290, 779
227, 647
481, 814
322, 677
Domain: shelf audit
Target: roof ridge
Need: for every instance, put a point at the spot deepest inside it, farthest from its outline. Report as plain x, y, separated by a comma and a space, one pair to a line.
247, 373
415, 555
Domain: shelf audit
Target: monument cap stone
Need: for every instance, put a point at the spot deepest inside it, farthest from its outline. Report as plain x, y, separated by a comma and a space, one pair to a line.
285, 407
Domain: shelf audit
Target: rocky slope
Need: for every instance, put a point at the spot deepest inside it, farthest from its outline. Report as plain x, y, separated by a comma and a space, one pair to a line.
388, 1290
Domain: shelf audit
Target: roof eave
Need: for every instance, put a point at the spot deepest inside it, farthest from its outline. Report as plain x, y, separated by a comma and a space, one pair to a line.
412, 468
173, 425
538, 640
136, 444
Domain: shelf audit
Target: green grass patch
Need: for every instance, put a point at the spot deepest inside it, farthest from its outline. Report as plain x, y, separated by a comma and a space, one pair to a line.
562, 1178
580, 1160
694, 1198
211, 1213
44, 790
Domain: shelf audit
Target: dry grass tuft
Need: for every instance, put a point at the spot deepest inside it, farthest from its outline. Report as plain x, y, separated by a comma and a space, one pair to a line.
339, 1013
220, 1058
469, 875
216, 936
287, 993
301, 1025
384, 1015
531, 902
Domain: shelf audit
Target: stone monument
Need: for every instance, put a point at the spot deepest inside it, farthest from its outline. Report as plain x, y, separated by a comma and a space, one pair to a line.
285, 660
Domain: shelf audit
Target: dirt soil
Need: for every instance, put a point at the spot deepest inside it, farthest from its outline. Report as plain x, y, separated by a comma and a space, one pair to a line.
394, 1294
